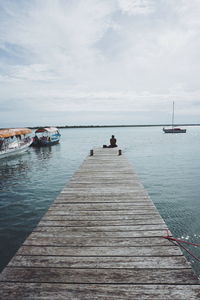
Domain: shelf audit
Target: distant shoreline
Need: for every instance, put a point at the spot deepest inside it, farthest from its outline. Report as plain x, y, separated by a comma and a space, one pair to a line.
113, 126
105, 126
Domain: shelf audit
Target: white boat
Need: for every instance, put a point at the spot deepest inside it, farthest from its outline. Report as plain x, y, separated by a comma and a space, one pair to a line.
46, 136
14, 141
174, 129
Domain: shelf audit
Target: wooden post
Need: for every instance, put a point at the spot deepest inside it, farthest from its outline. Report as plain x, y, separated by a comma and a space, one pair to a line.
120, 152
91, 152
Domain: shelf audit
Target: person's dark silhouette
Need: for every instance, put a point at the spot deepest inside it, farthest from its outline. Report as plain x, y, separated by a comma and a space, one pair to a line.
113, 142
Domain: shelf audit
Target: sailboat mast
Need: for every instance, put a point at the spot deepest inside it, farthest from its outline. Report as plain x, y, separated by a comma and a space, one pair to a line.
173, 116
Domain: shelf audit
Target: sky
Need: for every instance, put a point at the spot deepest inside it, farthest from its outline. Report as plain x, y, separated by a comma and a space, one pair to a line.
83, 62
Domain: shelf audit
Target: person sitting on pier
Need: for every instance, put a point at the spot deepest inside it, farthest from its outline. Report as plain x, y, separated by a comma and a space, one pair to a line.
113, 142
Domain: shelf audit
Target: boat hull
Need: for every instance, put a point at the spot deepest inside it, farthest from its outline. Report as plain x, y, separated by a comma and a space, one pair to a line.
15, 151
44, 143
173, 130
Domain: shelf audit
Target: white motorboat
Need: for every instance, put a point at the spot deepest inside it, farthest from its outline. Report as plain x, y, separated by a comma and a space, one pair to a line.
14, 141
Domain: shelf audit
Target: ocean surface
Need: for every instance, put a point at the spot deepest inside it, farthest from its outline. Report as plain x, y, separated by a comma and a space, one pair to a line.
167, 164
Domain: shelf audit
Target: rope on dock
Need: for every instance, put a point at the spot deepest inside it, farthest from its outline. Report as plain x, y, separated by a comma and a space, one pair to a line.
180, 242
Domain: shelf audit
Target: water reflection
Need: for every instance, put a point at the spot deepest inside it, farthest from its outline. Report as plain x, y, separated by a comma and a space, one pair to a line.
43, 152
10, 170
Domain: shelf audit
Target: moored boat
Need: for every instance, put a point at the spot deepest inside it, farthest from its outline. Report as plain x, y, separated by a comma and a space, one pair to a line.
14, 141
174, 129
46, 136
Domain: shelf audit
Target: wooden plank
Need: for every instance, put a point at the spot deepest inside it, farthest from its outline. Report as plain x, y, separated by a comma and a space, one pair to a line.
60, 232
77, 199
128, 192
153, 216
123, 262
100, 251
110, 228
105, 211
52, 291
109, 178
111, 213
38, 238
100, 206
108, 276
80, 223
106, 184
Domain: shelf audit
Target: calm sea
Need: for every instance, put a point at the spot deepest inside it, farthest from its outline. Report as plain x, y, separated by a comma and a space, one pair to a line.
168, 165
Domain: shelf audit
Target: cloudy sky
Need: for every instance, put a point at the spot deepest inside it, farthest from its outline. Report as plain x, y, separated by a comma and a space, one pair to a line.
72, 62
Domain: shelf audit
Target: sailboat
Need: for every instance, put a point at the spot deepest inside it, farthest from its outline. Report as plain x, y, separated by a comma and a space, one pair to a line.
174, 129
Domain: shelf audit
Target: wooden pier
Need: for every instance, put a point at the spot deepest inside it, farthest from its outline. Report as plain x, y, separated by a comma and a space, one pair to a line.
102, 238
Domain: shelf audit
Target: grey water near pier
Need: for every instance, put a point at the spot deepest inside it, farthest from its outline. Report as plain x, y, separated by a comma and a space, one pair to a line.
167, 164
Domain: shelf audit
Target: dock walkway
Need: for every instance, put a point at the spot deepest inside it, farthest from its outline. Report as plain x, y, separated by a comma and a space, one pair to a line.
102, 238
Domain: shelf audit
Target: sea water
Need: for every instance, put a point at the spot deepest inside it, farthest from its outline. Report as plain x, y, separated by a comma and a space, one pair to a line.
167, 164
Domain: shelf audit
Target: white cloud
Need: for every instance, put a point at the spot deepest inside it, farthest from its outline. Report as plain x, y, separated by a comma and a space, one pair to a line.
100, 55
135, 7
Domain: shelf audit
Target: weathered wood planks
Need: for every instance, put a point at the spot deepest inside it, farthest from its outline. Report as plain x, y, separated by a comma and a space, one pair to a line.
52, 291
102, 238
